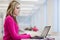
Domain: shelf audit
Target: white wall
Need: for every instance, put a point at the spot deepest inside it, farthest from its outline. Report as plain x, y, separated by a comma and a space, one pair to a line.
50, 13
59, 14
47, 15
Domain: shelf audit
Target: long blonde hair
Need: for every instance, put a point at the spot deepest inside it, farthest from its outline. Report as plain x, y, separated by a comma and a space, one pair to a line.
11, 8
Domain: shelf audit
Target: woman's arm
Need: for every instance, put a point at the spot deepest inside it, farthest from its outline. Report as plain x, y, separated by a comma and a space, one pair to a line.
11, 28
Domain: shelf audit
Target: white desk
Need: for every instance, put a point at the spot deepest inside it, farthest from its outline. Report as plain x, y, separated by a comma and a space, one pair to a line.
38, 33
32, 33
55, 35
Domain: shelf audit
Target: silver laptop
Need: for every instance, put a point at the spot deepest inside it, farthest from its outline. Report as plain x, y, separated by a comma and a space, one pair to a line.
44, 33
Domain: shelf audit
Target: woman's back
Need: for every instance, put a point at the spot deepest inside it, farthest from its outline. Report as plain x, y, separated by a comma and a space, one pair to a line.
7, 34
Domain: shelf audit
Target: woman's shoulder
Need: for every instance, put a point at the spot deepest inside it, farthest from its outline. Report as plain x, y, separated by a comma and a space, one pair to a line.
9, 18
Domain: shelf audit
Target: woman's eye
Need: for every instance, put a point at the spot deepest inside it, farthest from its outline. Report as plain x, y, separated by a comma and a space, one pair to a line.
18, 8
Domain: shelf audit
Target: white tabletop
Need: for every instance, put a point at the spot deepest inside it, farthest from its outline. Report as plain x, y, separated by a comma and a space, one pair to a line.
32, 33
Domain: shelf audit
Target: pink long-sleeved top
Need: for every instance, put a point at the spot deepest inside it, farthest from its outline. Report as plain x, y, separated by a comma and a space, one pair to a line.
11, 30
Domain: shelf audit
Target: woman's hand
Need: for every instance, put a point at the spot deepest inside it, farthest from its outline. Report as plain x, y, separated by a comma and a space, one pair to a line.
30, 29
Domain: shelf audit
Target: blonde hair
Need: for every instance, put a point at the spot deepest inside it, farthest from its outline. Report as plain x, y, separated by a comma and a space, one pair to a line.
11, 8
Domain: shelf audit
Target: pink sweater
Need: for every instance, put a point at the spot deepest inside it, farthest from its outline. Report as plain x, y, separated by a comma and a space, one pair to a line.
11, 30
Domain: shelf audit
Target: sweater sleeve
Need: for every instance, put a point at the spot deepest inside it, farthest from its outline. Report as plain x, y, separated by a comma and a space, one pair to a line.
11, 28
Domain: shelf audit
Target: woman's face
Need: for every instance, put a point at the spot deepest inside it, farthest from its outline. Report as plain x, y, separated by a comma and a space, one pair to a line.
17, 10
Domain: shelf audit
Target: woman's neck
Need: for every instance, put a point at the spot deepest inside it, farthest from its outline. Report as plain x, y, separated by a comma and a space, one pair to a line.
14, 15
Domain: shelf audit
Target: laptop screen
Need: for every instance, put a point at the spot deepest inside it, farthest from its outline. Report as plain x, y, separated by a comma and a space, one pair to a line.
45, 31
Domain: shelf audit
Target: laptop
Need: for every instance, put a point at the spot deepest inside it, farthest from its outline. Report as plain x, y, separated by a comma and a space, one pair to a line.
43, 34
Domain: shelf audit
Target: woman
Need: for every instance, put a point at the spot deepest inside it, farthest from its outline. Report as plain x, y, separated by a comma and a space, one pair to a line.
11, 25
